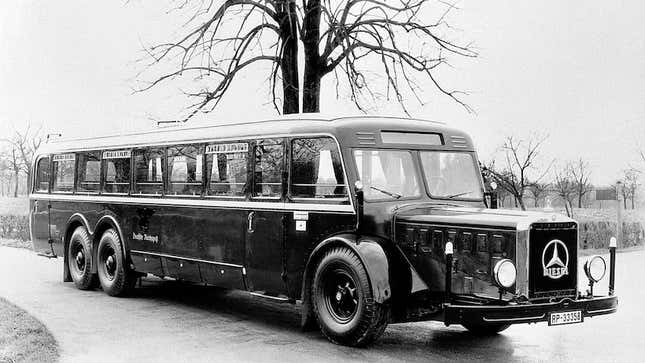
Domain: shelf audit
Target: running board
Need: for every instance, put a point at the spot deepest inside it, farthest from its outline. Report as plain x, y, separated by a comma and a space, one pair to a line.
279, 298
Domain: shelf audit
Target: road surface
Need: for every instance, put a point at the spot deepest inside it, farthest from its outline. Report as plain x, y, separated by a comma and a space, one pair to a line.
170, 322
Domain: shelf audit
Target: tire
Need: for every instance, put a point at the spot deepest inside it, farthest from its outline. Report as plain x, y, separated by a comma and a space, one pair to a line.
343, 301
486, 330
114, 275
79, 259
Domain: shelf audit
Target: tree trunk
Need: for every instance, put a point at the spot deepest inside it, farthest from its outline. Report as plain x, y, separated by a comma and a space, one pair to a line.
521, 201
313, 64
579, 200
289, 58
17, 176
566, 208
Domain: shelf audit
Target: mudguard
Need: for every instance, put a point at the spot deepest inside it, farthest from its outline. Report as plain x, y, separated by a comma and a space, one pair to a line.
371, 254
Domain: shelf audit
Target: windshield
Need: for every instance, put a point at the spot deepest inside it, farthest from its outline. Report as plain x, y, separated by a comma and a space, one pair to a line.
451, 175
387, 174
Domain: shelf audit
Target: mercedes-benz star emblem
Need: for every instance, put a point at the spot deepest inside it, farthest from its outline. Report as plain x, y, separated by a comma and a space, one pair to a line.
553, 265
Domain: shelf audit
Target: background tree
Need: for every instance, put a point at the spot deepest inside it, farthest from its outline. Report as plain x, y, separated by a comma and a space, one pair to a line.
538, 191
18, 156
519, 170
343, 38
630, 186
580, 172
564, 186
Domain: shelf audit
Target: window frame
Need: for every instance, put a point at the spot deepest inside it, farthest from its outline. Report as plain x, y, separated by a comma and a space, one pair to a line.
162, 149
36, 181
104, 172
415, 164
477, 171
78, 182
52, 178
285, 155
246, 194
339, 200
201, 150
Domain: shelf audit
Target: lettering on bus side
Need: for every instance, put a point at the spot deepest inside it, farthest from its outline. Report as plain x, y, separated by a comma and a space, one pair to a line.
145, 237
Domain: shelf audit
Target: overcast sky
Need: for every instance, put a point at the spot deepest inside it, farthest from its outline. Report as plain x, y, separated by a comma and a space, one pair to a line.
573, 70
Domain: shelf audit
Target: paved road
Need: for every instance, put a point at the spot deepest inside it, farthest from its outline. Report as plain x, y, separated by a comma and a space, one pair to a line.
169, 322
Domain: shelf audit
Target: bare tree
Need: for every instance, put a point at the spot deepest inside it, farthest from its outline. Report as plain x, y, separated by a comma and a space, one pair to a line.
519, 170
580, 173
630, 186
224, 38
564, 186
539, 191
24, 144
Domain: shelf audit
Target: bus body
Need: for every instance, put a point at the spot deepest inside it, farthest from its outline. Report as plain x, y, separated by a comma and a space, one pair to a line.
365, 221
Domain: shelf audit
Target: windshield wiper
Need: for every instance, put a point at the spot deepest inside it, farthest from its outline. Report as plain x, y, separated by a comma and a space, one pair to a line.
458, 194
393, 195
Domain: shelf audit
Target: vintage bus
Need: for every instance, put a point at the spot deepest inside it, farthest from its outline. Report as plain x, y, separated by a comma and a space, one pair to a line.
365, 221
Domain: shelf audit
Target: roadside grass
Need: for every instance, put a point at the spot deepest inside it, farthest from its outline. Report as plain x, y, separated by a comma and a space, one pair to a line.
15, 243
14, 206
23, 338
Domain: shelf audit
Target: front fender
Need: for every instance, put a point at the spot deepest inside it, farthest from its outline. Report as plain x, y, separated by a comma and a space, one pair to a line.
371, 254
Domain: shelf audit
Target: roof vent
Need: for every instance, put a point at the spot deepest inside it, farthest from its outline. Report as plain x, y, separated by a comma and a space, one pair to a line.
459, 142
366, 138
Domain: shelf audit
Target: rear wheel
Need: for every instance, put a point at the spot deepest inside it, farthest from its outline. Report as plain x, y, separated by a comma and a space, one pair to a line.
343, 302
485, 330
79, 259
115, 277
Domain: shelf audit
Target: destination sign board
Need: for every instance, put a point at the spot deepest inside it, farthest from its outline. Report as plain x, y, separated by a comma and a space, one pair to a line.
117, 154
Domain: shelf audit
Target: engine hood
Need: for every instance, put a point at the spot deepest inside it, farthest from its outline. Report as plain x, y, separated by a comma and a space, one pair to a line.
478, 217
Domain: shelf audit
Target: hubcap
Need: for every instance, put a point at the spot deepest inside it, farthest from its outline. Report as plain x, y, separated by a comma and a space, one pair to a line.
341, 296
80, 260
110, 264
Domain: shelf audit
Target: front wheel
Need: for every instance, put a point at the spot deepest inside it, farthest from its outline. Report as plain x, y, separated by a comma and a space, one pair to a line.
115, 277
486, 330
343, 301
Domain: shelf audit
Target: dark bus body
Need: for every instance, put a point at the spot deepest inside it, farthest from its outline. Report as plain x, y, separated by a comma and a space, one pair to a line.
274, 208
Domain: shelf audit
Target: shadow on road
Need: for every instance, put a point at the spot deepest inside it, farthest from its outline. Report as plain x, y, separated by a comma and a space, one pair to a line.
413, 340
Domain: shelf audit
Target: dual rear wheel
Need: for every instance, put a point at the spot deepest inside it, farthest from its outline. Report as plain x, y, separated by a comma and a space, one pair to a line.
113, 275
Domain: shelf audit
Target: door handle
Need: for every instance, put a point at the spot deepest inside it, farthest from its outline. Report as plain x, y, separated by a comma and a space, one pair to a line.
249, 219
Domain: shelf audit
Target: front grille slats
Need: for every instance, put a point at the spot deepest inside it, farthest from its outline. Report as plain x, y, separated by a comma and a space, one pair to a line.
553, 260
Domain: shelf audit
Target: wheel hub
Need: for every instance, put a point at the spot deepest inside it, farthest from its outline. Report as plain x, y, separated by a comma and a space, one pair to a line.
342, 297
80, 260
110, 264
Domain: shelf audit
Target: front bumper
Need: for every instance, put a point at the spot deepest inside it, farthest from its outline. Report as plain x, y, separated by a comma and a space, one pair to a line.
526, 313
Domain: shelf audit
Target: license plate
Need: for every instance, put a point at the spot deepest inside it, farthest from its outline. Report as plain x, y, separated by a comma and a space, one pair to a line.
565, 317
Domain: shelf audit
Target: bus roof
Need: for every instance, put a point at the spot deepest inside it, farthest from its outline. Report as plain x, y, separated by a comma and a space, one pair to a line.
358, 131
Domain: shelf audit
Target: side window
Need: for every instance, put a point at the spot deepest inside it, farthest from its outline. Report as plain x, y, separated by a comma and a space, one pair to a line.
116, 171
316, 169
42, 175
185, 166
148, 171
64, 165
89, 172
226, 166
269, 164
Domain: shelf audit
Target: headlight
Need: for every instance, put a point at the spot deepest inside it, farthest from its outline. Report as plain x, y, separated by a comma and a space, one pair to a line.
505, 273
595, 268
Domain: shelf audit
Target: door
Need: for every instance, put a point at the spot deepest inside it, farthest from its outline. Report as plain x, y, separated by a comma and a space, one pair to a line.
40, 223
265, 254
